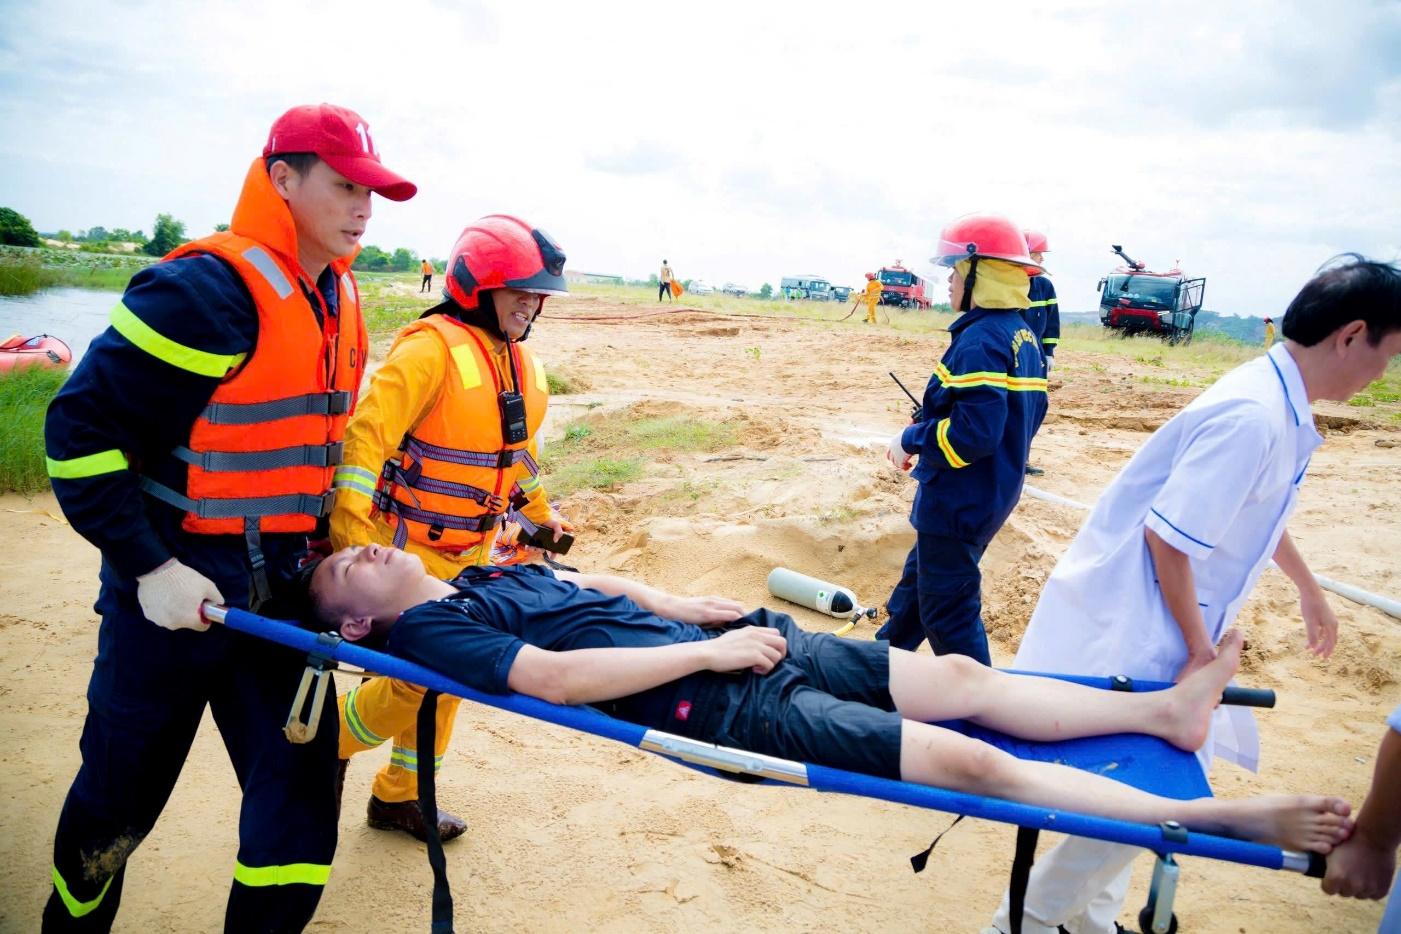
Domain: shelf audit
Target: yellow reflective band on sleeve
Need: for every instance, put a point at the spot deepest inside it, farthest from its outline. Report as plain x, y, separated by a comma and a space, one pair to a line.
1026, 383
467, 368
76, 908
1050, 341
358, 479
941, 434
970, 380
166, 350
291, 874
1042, 303
541, 383
90, 465
529, 484
356, 725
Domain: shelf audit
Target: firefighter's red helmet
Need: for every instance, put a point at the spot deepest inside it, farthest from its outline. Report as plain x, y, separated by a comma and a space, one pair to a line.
870, 275
503, 252
1036, 242
985, 236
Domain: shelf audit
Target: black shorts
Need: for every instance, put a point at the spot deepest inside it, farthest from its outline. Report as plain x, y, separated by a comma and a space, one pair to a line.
828, 702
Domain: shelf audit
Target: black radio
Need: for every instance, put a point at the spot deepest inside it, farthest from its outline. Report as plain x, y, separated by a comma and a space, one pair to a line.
513, 424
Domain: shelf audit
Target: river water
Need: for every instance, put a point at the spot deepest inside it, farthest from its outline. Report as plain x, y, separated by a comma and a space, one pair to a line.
75, 316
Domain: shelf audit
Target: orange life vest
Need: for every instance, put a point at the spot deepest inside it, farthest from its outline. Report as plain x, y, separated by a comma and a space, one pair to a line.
455, 476
262, 453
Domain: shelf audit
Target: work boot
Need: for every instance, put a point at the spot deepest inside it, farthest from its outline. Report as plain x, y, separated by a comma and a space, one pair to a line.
406, 816
1034, 471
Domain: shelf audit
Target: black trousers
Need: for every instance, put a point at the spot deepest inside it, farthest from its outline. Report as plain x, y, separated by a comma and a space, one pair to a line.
148, 692
427, 285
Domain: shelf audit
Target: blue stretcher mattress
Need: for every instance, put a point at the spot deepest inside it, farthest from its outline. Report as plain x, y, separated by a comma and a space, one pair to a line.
1141, 761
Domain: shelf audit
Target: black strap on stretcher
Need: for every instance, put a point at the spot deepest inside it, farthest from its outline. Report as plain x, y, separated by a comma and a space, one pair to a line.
1021, 868
428, 806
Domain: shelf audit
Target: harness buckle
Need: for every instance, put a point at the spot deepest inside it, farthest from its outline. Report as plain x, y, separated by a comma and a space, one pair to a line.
302, 724
337, 403
505, 459
335, 454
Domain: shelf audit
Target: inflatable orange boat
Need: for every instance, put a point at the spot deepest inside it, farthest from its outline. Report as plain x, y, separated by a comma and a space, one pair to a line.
43, 350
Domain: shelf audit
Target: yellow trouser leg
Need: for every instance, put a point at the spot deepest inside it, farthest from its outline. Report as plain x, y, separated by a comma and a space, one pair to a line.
871, 312
387, 707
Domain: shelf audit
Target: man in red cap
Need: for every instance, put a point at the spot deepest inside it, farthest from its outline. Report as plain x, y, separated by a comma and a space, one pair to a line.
195, 446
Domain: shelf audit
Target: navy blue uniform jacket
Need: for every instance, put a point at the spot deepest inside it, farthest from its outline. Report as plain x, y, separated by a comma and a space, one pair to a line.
982, 407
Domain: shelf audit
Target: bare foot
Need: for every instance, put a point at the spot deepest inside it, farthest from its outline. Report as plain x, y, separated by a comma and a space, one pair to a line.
1191, 702
1295, 822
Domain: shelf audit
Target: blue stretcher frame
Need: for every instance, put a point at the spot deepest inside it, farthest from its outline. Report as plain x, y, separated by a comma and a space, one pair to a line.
1141, 761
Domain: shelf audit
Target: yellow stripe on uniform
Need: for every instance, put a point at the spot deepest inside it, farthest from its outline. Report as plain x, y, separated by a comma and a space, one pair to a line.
467, 369
356, 725
290, 874
1042, 303
941, 434
541, 383
90, 465
76, 908
358, 479
970, 380
1026, 383
166, 350
1048, 341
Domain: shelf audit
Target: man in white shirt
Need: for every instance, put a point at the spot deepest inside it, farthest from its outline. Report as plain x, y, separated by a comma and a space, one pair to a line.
1177, 541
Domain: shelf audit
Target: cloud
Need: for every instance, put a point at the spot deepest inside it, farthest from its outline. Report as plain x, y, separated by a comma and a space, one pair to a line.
643, 157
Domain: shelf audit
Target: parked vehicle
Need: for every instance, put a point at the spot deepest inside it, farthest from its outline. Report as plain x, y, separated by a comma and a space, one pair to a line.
1134, 299
812, 288
840, 293
902, 288
731, 288
700, 287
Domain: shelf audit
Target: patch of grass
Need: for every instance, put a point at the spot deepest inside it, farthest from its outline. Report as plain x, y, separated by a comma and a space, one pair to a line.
24, 270
577, 432
1169, 381
674, 433
24, 396
754, 352
1362, 400
566, 476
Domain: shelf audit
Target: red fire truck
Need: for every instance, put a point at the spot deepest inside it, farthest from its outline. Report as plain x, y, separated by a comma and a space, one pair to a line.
1135, 300
902, 288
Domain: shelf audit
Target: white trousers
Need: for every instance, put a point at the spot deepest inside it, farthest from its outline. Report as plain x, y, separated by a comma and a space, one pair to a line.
1081, 884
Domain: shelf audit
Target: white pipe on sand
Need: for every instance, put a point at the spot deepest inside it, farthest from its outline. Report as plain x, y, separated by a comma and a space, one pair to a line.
1356, 594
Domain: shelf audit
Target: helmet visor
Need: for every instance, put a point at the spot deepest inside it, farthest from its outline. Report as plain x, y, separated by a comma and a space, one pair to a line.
947, 253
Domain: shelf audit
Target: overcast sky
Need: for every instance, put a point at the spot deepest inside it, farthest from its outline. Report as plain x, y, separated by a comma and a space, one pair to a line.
747, 141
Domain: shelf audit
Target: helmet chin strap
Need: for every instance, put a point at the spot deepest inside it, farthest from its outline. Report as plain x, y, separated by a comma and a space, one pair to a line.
967, 301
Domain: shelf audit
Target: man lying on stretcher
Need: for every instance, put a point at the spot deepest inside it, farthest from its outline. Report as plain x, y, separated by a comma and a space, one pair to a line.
699, 667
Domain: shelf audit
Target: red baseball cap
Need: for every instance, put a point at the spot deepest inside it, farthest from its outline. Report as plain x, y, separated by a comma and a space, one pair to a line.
342, 139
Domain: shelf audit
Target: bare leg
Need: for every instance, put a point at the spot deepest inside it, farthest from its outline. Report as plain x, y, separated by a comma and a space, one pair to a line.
950, 687
934, 756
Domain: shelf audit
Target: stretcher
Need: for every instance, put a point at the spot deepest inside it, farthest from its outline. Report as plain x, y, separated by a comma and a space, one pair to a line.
1143, 762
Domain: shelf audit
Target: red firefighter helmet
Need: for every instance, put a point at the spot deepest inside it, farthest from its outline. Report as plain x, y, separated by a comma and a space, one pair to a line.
870, 275
1036, 242
984, 236
503, 252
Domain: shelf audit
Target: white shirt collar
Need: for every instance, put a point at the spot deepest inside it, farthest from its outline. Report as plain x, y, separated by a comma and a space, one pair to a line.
1293, 383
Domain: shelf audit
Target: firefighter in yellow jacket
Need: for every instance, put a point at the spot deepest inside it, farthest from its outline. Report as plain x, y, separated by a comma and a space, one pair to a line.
871, 296
440, 452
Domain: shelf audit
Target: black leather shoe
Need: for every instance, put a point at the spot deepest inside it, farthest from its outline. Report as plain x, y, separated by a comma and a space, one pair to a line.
406, 816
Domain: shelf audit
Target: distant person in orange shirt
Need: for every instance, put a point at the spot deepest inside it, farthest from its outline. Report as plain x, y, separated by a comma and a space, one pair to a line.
427, 270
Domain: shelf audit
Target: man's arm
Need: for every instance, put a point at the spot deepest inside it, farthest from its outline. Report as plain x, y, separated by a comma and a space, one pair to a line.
1179, 589
1319, 621
1362, 866
698, 610
401, 392
586, 676
1050, 337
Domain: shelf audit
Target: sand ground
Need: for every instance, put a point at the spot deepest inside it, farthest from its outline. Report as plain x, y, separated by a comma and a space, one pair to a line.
569, 832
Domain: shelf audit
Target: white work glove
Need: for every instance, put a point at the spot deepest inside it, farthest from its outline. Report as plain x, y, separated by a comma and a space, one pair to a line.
897, 455
171, 595
1049, 361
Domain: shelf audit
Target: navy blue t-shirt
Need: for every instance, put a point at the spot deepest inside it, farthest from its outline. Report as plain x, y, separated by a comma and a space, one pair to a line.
474, 635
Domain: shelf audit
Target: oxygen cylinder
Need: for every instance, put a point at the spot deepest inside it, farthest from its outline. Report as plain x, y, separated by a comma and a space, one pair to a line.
812, 593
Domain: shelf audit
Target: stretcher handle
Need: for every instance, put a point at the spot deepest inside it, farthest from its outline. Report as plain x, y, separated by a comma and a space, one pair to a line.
1318, 866
1248, 697
212, 612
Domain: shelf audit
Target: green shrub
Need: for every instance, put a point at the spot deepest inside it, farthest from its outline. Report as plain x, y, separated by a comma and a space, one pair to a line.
25, 394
